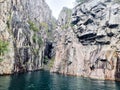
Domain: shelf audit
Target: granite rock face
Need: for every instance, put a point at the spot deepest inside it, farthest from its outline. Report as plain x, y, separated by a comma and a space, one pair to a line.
25, 25
94, 47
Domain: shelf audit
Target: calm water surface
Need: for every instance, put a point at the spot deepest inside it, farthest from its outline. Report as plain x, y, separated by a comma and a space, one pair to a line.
43, 80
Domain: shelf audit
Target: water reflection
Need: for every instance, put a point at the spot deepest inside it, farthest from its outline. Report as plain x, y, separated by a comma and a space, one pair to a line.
43, 80
4, 82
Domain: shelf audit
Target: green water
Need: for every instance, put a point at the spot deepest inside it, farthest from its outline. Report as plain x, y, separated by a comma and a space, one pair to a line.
43, 80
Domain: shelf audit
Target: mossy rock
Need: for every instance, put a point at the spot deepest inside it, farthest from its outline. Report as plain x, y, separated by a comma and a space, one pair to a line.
3, 47
33, 26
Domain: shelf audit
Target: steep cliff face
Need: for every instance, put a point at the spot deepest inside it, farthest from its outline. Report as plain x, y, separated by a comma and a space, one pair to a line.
7, 65
86, 44
25, 25
94, 47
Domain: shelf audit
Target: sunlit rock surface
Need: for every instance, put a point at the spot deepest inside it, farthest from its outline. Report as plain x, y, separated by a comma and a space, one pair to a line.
94, 47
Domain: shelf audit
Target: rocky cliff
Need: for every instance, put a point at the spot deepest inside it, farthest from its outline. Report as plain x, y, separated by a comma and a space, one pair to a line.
25, 26
90, 47
85, 42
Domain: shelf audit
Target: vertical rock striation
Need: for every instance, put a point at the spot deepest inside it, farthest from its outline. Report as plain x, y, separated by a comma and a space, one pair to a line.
94, 47
25, 25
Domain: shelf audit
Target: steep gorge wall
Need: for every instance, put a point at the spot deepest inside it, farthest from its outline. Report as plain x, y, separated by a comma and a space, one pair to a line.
25, 25
93, 47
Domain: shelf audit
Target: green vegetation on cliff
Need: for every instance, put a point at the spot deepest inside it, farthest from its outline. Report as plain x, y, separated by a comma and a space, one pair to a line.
33, 26
51, 62
44, 25
46, 59
3, 47
37, 39
40, 41
34, 38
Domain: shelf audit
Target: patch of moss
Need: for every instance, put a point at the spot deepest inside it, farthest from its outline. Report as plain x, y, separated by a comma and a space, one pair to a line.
51, 62
34, 38
1, 59
44, 25
36, 51
3, 47
40, 41
46, 59
65, 26
33, 26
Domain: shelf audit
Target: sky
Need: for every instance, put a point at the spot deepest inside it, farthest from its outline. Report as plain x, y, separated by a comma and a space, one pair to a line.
57, 5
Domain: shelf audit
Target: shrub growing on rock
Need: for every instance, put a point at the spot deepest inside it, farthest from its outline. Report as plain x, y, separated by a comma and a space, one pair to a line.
3, 47
33, 26
34, 38
40, 41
